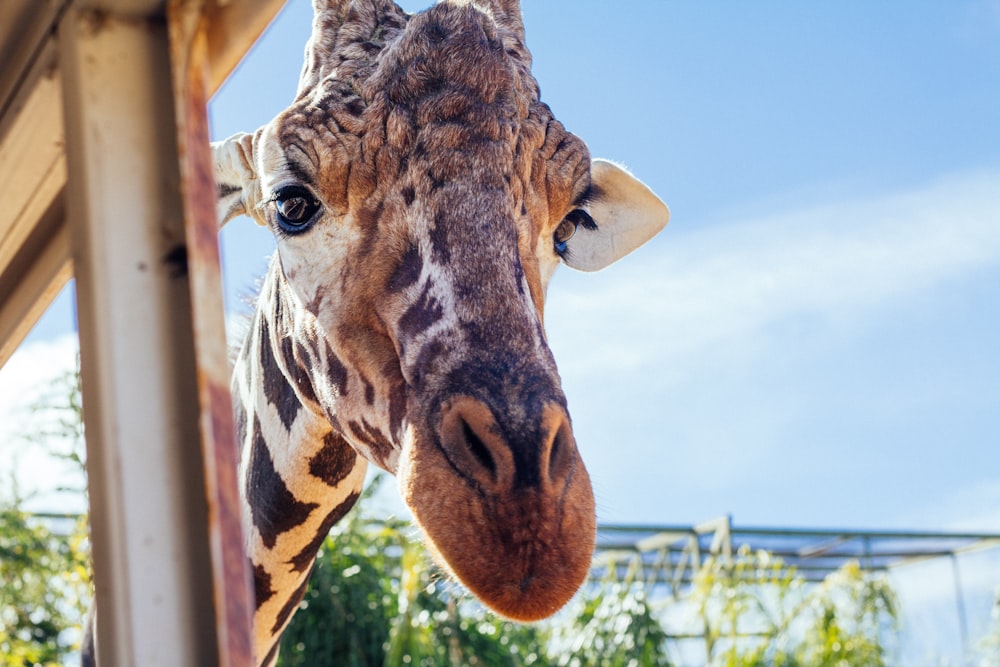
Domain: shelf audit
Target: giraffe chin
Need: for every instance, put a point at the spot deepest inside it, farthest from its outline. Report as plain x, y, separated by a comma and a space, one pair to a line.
522, 552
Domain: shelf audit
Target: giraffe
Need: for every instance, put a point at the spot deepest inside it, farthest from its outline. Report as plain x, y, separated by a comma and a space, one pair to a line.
421, 196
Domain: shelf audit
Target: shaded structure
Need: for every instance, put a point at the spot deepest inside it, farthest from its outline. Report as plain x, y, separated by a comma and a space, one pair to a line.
671, 555
105, 176
666, 559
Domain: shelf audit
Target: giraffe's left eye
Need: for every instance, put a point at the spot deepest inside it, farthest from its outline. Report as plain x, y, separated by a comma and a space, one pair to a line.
296, 209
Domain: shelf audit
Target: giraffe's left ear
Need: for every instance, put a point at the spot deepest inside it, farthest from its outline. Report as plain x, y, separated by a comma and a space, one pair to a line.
235, 177
626, 212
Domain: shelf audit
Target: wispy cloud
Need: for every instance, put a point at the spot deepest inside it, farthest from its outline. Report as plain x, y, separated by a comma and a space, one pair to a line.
33, 371
706, 292
692, 366
975, 507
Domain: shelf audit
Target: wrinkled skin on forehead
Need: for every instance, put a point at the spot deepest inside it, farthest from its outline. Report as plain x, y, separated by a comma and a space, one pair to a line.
410, 302
441, 188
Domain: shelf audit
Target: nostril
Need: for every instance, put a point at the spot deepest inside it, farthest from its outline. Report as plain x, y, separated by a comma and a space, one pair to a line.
478, 449
471, 441
554, 451
561, 453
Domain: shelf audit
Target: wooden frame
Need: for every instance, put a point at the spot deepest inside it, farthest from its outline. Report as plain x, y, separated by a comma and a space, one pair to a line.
105, 170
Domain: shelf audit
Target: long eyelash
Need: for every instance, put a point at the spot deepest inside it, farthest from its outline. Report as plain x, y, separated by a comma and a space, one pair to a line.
279, 233
587, 196
582, 218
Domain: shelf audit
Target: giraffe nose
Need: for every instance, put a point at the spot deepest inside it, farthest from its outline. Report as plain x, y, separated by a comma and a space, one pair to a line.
539, 454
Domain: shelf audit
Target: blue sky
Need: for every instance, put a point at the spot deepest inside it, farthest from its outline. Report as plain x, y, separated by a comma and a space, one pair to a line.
815, 338
812, 341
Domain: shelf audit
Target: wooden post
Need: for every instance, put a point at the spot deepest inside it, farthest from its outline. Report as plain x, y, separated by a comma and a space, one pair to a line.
149, 515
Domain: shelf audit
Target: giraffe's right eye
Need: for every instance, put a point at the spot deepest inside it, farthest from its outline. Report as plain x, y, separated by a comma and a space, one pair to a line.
296, 209
568, 227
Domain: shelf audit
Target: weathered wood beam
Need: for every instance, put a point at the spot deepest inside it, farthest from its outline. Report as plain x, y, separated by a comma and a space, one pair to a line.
34, 254
220, 455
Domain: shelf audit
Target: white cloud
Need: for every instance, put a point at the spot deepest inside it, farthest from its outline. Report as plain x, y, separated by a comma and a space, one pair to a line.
717, 291
973, 508
33, 370
733, 367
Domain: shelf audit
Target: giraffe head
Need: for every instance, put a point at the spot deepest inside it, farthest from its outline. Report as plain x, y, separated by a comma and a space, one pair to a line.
422, 197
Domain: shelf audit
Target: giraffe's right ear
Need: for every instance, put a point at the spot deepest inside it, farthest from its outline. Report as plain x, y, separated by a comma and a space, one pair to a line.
624, 213
235, 177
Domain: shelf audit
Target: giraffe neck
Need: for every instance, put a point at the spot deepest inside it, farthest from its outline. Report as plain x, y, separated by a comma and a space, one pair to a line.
298, 476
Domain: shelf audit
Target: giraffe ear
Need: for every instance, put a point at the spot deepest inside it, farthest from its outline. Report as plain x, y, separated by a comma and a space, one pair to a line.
235, 177
626, 212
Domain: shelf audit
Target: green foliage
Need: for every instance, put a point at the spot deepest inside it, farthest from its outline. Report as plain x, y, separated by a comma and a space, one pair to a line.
988, 648
756, 611
44, 564
438, 627
614, 627
55, 424
376, 599
852, 612
44, 585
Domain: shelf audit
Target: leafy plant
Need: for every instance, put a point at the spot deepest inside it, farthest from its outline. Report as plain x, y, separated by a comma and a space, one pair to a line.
613, 627
375, 598
988, 647
757, 611
44, 587
852, 614
44, 563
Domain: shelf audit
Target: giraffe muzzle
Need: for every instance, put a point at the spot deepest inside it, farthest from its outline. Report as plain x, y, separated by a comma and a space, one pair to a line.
518, 528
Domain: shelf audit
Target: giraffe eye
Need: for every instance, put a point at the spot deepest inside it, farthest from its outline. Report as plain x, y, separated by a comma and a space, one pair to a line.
296, 209
564, 232
567, 229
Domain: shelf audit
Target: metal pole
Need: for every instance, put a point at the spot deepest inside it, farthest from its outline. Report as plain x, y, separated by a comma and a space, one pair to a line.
149, 516
963, 624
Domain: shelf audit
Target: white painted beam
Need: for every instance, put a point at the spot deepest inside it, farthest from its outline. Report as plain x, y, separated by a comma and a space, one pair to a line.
152, 561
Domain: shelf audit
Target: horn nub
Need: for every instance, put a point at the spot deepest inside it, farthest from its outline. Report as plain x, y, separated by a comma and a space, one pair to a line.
347, 31
508, 12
